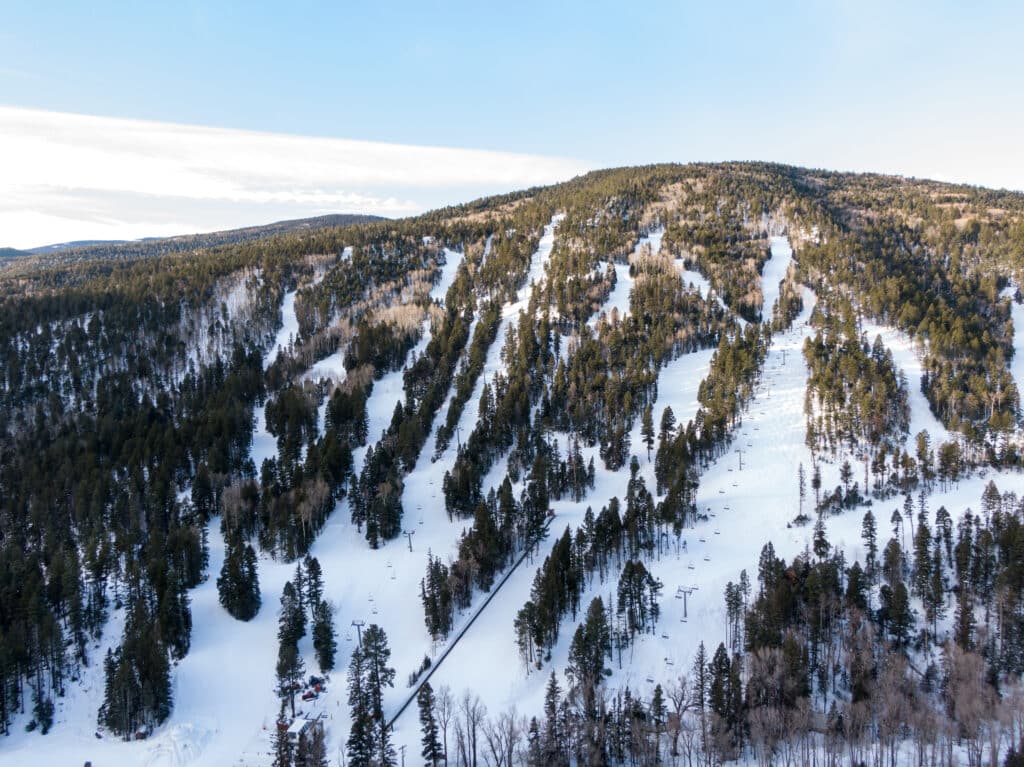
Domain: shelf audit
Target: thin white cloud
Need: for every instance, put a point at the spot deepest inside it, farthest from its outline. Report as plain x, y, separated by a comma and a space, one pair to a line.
67, 176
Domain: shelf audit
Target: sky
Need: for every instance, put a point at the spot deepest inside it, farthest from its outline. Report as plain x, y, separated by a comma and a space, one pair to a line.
120, 120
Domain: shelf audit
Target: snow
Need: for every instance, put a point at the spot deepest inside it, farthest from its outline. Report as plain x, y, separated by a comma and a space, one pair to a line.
510, 683
225, 706
288, 331
1017, 316
331, 368
452, 261
907, 359
773, 274
700, 282
618, 299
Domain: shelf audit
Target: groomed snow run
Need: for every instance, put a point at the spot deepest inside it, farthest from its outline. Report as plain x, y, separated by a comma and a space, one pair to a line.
618, 299
773, 274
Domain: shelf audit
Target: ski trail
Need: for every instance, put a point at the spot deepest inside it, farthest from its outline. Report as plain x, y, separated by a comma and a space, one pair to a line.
491, 636
907, 361
1017, 317
618, 299
493, 364
773, 274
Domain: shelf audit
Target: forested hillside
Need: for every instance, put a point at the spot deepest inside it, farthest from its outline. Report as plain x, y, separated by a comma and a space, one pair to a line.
541, 429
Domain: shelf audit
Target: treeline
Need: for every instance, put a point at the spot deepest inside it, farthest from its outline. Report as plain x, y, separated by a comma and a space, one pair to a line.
902, 275
502, 529
855, 400
723, 395
91, 511
913, 653
612, 539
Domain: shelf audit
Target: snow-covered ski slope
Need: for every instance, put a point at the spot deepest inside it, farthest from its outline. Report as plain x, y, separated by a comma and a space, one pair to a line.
1017, 316
773, 274
907, 359
744, 509
490, 642
224, 702
618, 299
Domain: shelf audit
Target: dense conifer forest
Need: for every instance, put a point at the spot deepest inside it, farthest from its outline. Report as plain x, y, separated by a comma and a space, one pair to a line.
131, 385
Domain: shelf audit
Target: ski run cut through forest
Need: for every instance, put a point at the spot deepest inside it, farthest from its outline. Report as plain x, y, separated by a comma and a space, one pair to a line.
676, 465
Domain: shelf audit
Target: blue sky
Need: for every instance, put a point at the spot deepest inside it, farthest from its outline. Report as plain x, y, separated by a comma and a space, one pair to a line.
921, 88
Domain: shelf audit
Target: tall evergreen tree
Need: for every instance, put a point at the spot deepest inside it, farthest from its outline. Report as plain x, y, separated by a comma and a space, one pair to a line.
324, 642
290, 670
369, 674
284, 752
360, 745
431, 752
314, 585
238, 583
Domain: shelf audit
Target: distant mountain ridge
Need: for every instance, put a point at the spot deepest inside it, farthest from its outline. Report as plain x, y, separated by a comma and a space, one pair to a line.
69, 252
81, 244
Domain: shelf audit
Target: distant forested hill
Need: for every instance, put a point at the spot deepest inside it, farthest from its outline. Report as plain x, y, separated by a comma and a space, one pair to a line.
68, 253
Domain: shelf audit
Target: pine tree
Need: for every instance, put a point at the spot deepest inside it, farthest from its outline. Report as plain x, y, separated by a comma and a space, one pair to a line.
290, 670
314, 585
922, 558
378, 676
428, 725
324, 642
701, 687
553, 746
318, 748
869, 534
821, 544
963, 628
658, 712
283, 749
647, 430
360, 745
291, 625
801, 480
846, 476
299, 583
248, 594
